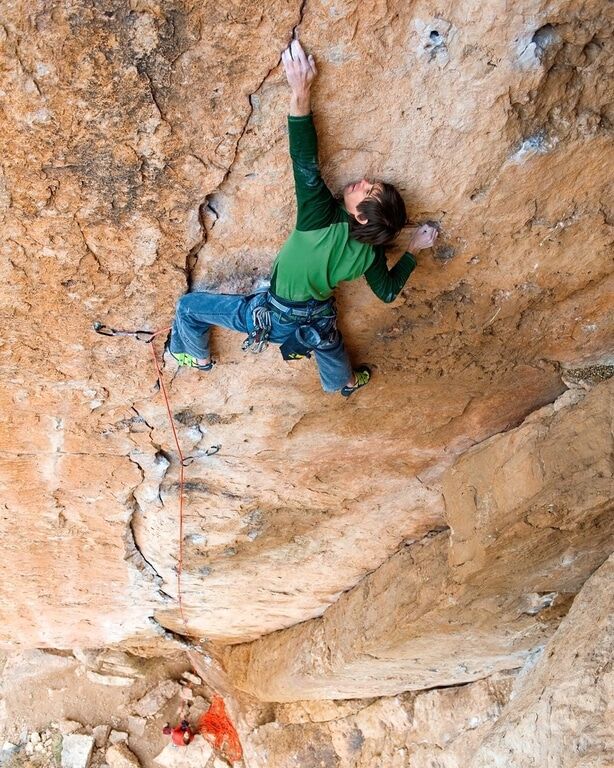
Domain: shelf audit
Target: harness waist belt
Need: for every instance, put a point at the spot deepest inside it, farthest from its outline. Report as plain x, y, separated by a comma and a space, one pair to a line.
301, 309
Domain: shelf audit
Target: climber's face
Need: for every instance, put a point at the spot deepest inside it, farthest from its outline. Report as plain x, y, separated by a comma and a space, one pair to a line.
355, 193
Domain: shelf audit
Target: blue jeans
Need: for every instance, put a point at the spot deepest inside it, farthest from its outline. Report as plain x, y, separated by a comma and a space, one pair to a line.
198, 311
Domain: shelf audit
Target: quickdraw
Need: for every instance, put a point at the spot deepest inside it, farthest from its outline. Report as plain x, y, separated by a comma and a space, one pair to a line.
105, 330
258, 339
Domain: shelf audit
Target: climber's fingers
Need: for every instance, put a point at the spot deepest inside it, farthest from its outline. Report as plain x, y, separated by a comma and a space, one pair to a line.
300, 69
298, 54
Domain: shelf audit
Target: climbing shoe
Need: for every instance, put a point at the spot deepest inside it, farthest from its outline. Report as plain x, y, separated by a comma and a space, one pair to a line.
362, 375
190, 361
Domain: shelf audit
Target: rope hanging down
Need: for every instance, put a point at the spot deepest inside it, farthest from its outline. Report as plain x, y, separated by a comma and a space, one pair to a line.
148, 337
215, 723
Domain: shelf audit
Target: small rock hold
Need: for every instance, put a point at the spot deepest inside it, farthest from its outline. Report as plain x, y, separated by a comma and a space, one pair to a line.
35, 738
29, 748
186, 694
8, 746
77, 750
112, 680
199, 704
444, 253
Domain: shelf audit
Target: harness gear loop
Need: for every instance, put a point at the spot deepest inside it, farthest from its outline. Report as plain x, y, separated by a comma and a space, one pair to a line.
258, 339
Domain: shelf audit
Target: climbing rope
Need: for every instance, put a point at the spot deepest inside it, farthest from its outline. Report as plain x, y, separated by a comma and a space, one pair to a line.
148, 337
215, 723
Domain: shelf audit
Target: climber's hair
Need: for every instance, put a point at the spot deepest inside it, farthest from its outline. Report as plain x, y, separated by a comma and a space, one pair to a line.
385, 213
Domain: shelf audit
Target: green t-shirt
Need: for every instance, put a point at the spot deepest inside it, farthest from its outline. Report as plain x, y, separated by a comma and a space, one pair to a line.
320, 253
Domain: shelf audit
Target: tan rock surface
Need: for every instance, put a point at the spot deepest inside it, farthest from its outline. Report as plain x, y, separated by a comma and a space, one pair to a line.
441, 728
120, 124
197, 753
531, 518
120, 756
562, 710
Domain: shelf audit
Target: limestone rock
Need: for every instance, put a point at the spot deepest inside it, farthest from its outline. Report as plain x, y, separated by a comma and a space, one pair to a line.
120, 756
421, 730
66, 727
529, 523
194, 755
190, 677
114, 680
136, 725
116, 737
101, 734
561, 712
181, 178
154, 700
77, 750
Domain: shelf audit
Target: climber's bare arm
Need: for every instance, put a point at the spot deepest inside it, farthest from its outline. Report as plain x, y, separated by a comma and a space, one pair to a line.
301, 72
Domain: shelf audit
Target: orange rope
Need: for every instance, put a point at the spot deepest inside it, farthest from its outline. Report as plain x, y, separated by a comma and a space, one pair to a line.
181, 478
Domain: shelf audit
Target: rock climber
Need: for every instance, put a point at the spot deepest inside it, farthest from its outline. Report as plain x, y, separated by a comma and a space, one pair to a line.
331, 242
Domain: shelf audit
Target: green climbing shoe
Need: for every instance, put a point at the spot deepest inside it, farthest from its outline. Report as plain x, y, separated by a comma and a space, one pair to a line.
363, 375
190, 361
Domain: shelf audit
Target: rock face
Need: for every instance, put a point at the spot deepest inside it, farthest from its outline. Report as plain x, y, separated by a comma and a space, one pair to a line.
154, 142
555, 712
561, 713
529, 522
442, 728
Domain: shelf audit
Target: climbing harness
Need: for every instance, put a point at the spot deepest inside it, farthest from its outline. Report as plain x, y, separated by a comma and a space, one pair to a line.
307, 337
258, 339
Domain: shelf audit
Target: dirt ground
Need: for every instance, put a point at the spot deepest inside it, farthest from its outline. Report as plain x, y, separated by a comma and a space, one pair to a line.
40, 691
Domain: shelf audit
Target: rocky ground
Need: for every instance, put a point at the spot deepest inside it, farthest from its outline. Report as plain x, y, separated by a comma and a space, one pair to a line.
99, 709
108, 709
61, 713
